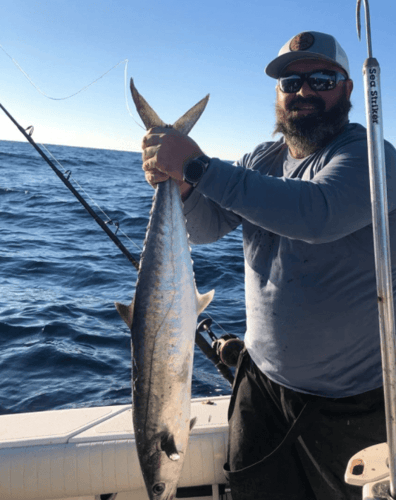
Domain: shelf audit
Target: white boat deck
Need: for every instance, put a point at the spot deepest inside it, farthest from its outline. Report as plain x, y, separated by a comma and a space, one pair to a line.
81, 453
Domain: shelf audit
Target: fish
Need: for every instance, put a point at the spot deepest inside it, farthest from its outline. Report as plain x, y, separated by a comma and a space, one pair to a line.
162, 318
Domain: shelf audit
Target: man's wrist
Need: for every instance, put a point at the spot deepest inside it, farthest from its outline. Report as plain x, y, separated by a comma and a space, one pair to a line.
185, 191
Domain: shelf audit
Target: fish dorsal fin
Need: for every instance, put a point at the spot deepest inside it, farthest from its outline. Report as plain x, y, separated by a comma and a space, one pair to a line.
147, 114
151, 119
168, 445
203, 300
126, 312
189, 119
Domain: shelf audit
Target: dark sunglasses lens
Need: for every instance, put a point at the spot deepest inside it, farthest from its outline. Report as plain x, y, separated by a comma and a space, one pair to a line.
321, 81
290, 84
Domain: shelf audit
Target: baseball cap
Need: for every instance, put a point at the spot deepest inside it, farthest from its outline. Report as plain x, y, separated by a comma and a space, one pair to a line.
308, 45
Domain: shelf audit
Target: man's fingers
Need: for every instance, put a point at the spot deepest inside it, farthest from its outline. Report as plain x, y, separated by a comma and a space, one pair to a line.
150, 164
153, 177
167, 150
149, 152
151, 140
154, 136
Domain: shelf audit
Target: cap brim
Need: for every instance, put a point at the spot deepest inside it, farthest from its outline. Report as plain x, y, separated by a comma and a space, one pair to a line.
275, 67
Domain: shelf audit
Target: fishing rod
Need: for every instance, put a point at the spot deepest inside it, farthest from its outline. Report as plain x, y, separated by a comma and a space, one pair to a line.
379, 206
210, 351
223, 352
66, 181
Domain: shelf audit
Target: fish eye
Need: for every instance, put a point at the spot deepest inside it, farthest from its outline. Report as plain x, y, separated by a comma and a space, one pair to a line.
158, 488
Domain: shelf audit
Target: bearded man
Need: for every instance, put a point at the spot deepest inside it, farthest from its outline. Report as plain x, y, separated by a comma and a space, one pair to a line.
308, 388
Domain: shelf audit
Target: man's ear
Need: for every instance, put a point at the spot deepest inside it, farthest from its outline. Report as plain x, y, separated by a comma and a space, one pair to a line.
349, 87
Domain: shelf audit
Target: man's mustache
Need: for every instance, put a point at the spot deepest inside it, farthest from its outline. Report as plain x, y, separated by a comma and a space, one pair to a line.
298, 102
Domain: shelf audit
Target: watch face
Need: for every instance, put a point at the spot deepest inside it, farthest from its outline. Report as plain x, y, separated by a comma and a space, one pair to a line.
194, 171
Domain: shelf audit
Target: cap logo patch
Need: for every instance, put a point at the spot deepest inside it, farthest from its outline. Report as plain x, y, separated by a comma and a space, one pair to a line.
303, 41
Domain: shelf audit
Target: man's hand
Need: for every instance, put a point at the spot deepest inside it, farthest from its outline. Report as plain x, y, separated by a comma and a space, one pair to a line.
165, 151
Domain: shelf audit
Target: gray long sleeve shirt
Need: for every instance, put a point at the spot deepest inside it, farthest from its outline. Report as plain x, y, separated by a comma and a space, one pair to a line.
311, 302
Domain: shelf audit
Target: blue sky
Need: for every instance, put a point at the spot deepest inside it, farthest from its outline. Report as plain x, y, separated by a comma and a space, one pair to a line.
178, 51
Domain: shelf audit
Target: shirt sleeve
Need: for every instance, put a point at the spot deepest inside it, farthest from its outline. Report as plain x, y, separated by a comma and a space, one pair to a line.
206, 220
335, 202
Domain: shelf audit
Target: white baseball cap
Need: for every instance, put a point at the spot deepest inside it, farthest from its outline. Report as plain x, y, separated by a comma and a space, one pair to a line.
308, 45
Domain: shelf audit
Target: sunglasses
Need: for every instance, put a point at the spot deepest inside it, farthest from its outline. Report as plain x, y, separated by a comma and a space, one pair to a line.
319, 81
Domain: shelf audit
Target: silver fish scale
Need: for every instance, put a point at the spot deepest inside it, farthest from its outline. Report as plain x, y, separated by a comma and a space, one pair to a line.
162, 319
164, 309
163, 333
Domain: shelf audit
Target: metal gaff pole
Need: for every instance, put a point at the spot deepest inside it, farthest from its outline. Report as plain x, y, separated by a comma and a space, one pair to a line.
379, 205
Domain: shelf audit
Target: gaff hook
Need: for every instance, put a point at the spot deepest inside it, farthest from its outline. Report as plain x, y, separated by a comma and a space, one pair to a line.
383, 269
368, 26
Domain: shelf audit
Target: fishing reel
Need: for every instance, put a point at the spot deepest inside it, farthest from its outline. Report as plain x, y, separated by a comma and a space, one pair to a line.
227, 346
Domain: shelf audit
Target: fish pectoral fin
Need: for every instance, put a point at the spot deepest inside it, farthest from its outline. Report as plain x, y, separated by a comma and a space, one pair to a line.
168, 445
193, 421
204, 300
126, 312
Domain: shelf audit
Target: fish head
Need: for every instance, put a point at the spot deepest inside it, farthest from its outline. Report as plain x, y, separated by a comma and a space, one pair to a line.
161, 467
163, 484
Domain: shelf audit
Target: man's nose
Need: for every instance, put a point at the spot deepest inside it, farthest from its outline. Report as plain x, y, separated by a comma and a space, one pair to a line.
306, 90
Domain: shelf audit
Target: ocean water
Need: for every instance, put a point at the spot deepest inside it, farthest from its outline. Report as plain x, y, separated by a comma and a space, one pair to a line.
62, 343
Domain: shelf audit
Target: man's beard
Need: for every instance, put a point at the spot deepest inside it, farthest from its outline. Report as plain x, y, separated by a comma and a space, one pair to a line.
309, 133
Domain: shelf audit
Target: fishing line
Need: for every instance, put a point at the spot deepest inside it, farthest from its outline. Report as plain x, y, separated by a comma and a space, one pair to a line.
67, 174
125, 61
109, 219
201, 342
65, 180
215, 322
70, 177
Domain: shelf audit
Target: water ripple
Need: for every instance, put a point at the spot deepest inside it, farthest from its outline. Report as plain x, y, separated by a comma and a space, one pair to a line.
62, 342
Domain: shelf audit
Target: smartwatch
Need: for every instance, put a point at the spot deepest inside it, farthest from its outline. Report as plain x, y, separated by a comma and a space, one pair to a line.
194, 170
